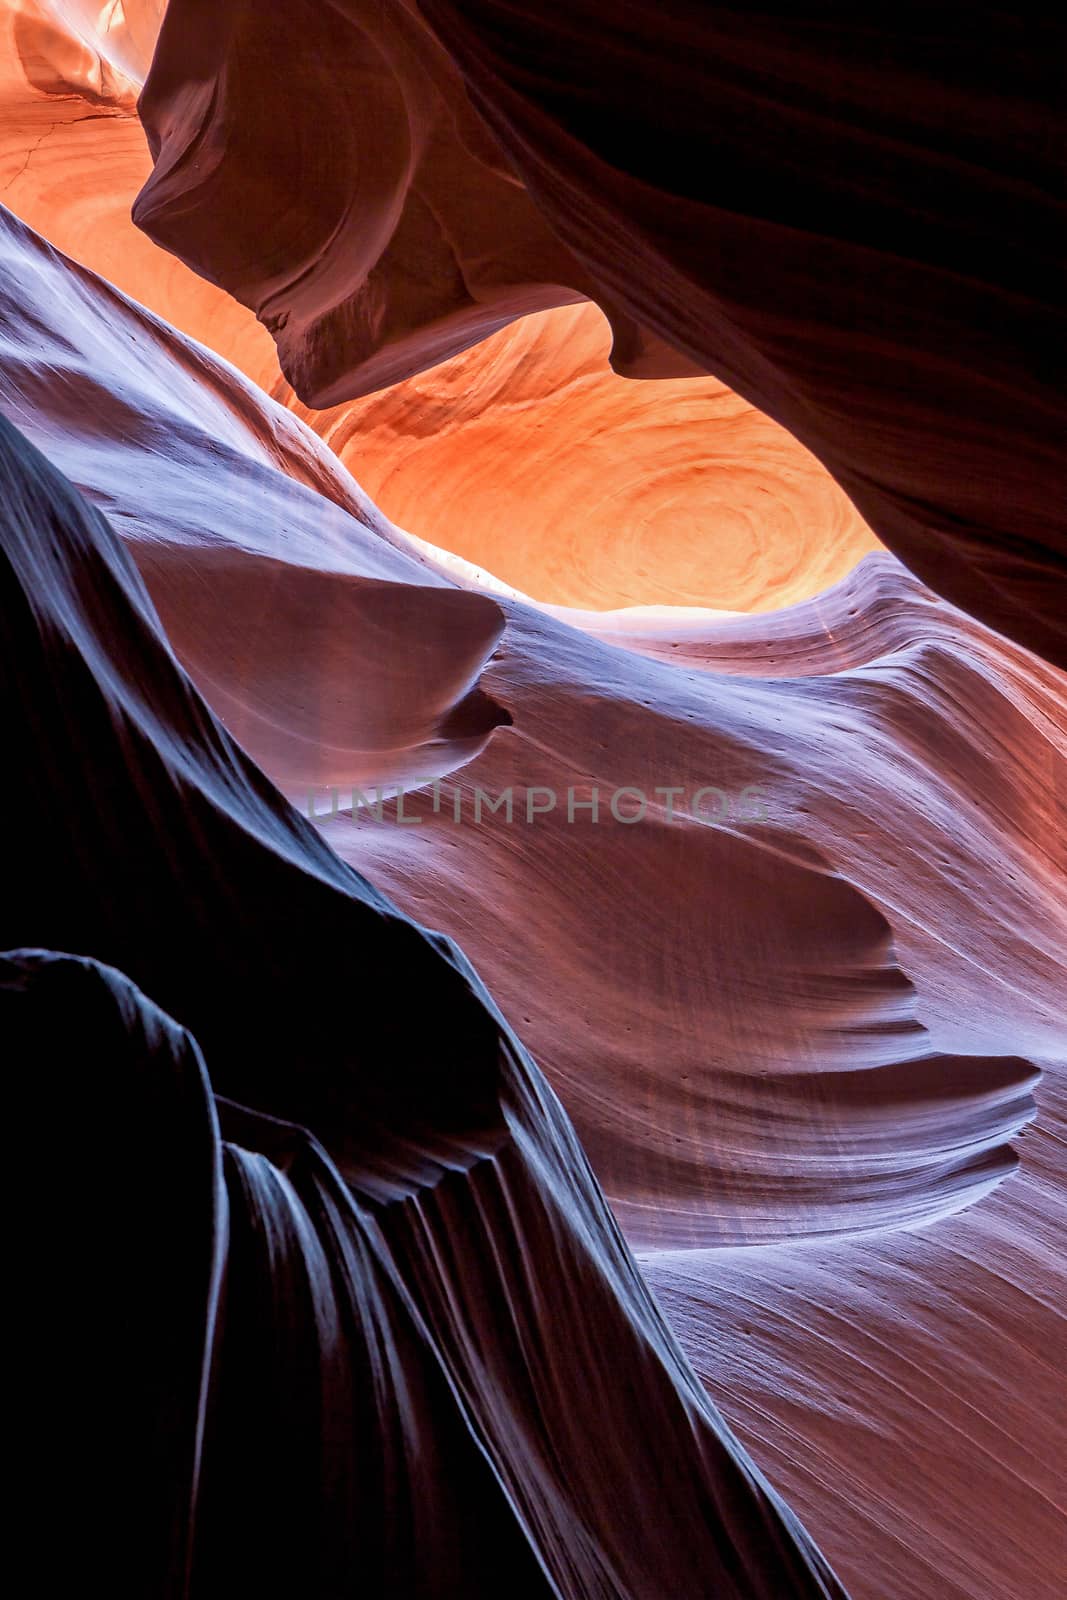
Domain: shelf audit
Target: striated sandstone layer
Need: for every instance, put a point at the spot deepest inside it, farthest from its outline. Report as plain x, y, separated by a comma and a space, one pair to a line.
571, 484
852, 219
782, 1031
795, 1039
383, 1343
581, 488
342, 662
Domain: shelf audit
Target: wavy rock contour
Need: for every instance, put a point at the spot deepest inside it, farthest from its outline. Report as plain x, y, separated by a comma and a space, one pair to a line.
786, 1039
355, 1253
850, 220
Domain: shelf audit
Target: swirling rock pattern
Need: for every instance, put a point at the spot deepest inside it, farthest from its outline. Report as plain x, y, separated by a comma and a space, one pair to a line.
609, 492
581, 488
358, 1259
810, 1088
408, 267
786, 1037
341, 662
850, 219
326, 668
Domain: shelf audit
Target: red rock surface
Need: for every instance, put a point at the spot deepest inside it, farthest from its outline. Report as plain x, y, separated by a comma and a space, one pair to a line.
584, 489
850, 218
795, 1042
569, 483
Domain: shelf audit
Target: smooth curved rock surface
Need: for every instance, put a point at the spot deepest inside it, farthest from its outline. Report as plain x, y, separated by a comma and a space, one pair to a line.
403, 237
851, 220
323, 665
610, 492
792, 1011
814, 1029
878, 656
580, 488
73, 155
387, 1238
885, 672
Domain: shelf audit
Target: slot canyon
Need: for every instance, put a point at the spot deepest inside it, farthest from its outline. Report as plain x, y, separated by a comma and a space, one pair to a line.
535, 679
